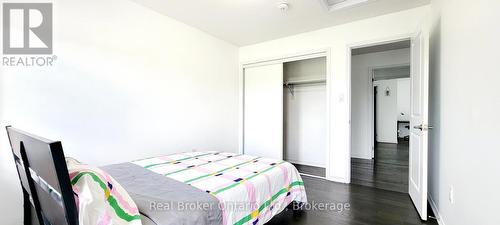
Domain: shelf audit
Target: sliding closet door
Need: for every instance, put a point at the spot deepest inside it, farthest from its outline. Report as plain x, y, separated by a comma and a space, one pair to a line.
263, 111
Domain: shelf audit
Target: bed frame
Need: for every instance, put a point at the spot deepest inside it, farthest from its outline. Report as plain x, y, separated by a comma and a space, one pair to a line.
47, 192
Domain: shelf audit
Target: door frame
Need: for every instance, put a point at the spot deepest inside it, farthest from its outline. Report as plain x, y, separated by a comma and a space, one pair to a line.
409, 36
325, 52
349, 47
373, 115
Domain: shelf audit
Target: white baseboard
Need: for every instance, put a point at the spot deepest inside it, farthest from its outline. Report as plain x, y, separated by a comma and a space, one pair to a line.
434, 208
338, 179
388, 141
304, 163
310, 175
361, 157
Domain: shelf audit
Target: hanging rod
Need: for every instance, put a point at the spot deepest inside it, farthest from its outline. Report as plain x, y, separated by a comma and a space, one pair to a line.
290, 83
308, 81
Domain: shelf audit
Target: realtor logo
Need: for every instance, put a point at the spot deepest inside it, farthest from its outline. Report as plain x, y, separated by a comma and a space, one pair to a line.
27, 28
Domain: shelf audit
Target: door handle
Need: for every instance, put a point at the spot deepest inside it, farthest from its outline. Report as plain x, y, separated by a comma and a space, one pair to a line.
423, 127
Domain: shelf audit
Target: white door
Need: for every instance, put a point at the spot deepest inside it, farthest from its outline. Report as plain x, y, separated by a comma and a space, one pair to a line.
419, 126
263, 111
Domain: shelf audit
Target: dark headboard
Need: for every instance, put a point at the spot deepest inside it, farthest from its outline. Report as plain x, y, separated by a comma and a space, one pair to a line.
43, 173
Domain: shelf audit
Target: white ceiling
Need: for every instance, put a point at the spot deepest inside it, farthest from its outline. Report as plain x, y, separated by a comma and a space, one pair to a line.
244, 22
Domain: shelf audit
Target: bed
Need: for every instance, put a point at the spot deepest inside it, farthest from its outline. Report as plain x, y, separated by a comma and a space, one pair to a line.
184, 188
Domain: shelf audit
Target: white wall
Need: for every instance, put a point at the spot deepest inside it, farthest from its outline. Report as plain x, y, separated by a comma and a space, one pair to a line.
128, 83
465, 104
305, 119
305, 113
337, 39
404, 104
361, 96
404, 99
387, 111
314, 68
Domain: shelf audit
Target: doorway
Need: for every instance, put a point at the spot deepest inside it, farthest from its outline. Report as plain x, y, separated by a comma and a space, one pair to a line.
380, 107
416, 47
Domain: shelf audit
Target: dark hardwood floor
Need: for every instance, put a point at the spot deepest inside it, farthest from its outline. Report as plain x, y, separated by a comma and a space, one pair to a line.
389, 170
367, 206
376, 196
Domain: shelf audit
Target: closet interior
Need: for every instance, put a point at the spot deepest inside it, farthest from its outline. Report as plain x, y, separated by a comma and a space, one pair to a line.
304, 115
285, 112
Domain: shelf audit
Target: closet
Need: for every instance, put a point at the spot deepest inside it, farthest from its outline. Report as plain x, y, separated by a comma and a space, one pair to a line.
285, 112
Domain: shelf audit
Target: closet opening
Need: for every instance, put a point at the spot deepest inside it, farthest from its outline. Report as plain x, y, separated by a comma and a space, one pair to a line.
285, 111
305, 115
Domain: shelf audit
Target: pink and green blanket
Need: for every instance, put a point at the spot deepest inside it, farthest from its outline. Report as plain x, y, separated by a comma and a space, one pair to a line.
238, 189
250, 189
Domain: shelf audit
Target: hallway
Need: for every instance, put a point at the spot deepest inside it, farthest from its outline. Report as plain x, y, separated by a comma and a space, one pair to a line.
388, 172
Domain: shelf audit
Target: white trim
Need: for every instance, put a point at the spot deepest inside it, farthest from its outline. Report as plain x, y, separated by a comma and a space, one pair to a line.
325, 52
310, 175
333, 179
371, 114
305, 163
288, 58
349, 47
347, 176
339, 179
434, 208
241, 117
380, 41
391, 66
329, 92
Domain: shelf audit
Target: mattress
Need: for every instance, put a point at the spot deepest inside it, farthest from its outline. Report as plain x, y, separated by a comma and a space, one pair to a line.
248, 189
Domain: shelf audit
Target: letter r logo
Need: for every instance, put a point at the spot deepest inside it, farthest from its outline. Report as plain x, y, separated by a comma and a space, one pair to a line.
27, 28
